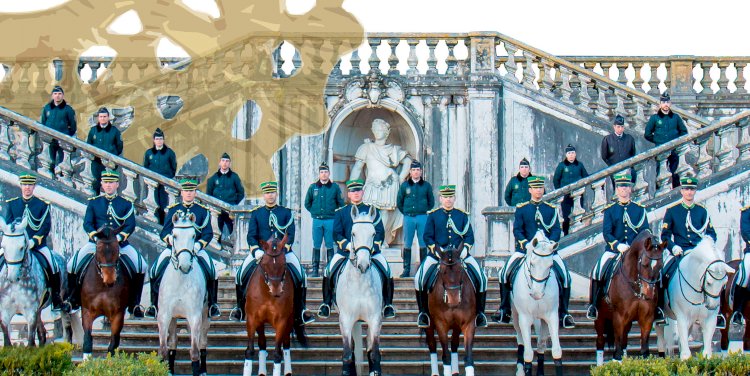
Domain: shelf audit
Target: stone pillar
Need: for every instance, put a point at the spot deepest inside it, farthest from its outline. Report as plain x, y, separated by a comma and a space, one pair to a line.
460, 149
681, 78
482, 54
312, 154
444, 141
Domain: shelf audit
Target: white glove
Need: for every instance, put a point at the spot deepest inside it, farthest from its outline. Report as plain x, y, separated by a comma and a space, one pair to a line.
168, 239
465, 252
119, 238
349, 246
197, 247
622, 247
258, 254
529, 247
676, 250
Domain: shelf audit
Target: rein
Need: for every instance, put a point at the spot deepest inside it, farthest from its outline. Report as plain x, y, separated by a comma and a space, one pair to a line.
637, 286
174, 259
269, 279
705, 295
458, 287
24, 249
530, 279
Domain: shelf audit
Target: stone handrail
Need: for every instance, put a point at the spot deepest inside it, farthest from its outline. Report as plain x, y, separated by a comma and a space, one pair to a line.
26, 142
731, 136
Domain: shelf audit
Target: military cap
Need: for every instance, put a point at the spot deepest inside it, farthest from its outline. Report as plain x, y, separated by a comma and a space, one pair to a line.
323, 167
524, 162
103, 110
158, 133
536, 181
415, 164
109, 176
355, 185
27, 179
689, 182
570, 148
665, 97
623, 180
447, 190
269, 186
188, 183
619, 120
225, 156
57, 89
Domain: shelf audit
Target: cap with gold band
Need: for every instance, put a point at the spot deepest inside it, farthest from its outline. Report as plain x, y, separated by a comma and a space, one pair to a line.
355, 185
27, 179
110, 176
623, 180
188, 183
536, 181
448, 190
269, 187
689, 182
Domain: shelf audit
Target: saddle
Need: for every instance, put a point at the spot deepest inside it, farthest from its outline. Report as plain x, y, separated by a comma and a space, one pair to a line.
245, 277
432, 272
609, 268
124, 264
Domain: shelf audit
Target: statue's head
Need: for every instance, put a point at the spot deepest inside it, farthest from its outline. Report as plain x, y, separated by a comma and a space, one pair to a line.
381, 129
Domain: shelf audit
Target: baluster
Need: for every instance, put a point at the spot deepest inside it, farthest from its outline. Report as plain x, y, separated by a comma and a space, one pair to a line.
664, 179
276, 58
149, 199
58, 64
84, 181
215, 221
683, 167
412, 60
5, 143
22, 76
94, 65
726, 148
131, 179
638, 79
740, 80
600, 200
605, 69
336, 71
65, 168
668, 78
703, 165
621, 97
374, 60
355, 60
546, 82
174, 196
723, 81
21, 150
297, 60
602, 107
653, 81
393, 59
640, 110
640, 190
621, 77
706, 79
578, 211
528, 71
565, 90
43, 159
431, 59
451, 61
583, 93
743, 143
510, 64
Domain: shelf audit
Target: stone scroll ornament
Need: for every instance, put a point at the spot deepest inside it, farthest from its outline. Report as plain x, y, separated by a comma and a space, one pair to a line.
231, 62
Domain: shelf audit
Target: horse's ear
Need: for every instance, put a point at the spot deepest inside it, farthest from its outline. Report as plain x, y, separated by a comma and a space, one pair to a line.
372, 213
191, 217
354, 212
283, 241
23, 223
648, 243
729, 269
534, 242
663, 245
554, 246
263, 244
175, 217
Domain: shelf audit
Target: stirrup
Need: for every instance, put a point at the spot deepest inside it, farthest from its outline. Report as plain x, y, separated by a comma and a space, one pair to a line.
737, 318
390, 315
236, 314
420, 323
152, 312
660, 319
481, 320
564, 321
721, 322
324, 311
593, 309
138, 312
214, 311
311, 317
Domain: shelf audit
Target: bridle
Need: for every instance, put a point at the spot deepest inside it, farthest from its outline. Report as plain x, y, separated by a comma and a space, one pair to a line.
174, 259
368, 248
25, 249
636, 287
271, 279
705, 295
530, 280
460, 285
114, 265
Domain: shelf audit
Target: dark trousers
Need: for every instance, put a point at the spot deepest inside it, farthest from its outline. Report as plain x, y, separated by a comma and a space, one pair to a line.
96, 171
162, 201
567, 207
673, 162
56, 155
225, 220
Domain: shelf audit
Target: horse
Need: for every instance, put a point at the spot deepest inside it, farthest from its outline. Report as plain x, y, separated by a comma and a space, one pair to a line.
452, 305
359, 296
188, 301
272, 305
535, 300
727, 311
104, 290
694, 293
632, 296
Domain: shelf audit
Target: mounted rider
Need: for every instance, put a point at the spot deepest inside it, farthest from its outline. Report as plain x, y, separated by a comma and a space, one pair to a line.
38, 219
448, 226
685, 225
342, 233
271, 221
530, 217
623, 221
204, 234
742, 279
108, 209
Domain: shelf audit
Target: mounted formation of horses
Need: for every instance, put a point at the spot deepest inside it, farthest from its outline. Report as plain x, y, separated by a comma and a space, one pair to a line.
694, 294
270, 300
23, 284
535, 302
452, 308
632, 296
188, 301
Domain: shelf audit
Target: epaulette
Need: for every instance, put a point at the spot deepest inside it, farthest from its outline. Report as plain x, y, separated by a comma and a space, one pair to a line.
14, 198
95, 197
45, 201
553, 206
337, 209
609, 205
201, 205
675, 204
462, 211
173, 205
522, 204
639, 204
255, 208
745, 208
701, 205
433, 210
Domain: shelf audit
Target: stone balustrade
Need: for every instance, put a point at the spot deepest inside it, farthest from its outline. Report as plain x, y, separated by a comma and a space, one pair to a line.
719, 146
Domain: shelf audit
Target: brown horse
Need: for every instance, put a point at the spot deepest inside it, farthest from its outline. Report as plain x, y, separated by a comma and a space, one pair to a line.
726, 310
104, 290
452, 306
270, 300
632, 296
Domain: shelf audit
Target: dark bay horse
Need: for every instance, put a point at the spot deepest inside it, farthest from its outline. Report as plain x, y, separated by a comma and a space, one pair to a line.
632, 296
726, 310
270, 300
452, 306
104, 290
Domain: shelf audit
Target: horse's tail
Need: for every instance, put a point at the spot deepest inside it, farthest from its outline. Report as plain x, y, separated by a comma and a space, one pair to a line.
299, 333
609, 333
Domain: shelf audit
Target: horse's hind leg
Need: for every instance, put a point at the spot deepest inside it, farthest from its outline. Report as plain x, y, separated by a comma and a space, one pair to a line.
645, 325
455, 340
6, 332
443, 337
203, 343
373, 351
117, 323
287, 356
41, 331
468, 331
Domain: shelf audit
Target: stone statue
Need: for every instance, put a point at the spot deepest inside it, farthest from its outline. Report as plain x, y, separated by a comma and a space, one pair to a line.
387, 166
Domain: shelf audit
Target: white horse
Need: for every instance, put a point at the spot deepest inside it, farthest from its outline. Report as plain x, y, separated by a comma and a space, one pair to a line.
22, 284
182, 294
535, 300
695, 295
359, 295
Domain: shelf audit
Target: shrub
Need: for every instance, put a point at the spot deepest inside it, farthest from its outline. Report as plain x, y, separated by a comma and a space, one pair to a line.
122, 364
50, 360
733, 365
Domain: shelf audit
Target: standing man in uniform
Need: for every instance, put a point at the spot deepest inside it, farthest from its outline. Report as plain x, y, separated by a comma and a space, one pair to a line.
322, 199
107, 137
414, 199
623, 221
665, 126
448, 226
742, 278
685, 225
531, 216
38, 224
58, 115
162, 160
569, 171
225, 185
108, 209
266, 222
618, 146
204, 234
517, 189
342, 232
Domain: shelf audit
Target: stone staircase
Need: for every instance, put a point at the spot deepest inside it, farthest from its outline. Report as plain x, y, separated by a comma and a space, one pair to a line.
402, 344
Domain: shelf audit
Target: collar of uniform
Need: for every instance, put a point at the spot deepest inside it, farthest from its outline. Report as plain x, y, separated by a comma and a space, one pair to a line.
447, 210
623, 203
537, 203
521, 178
269, 207
357, 205
110, 197
662, 114
27, 199
412, 182
684, 205
104, 128
327, 184
53, 105
188, 204
160, 151
229, 172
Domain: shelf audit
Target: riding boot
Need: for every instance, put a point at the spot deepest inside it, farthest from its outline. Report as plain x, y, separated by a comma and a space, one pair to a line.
721, 321
406, 255
566, 320
54, 285
388, 311
301, 314
659, 316
238, 312
315, 263
213, 298
153, 309
740, 298
134, 305
423, 319
503, 313
592, 313
71, 300
481, 320
422, 254
329, 255
325, 309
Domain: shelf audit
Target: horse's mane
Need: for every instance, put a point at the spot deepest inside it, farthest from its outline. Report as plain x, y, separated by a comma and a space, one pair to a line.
707, 246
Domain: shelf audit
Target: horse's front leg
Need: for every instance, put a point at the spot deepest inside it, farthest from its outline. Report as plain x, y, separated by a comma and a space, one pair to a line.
373, 349
645, 325
279, 341
683, 327
553, 327
6, 332
195, 334
247, 369
117, 323
41, 331
287, 355
203, 340
469, 331
87, 319
32, 320
455, 340
442, 331
432, 347
708, 328
524, 324
621, 334
348, 366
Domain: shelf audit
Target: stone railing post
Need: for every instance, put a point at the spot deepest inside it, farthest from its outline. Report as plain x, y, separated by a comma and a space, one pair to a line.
21, 150
725, 154
65, 168
681, 78
44, 160
664, 178
149, 199
4, 139
500, 243
640, 191
84, 180
600, 201
703, 165
743, 141
578, 212
482, 54
131, 179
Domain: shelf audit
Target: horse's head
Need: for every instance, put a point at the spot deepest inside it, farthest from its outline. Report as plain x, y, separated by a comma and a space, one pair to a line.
183, 241
451, 274
539, 264
273, 264
107, 254
363, 238
716, 272
646, 254
16, 245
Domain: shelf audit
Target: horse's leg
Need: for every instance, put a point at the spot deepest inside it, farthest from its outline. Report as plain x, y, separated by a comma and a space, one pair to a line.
263, 353
67, 323
541, 345
194, 324
373, 349
203, 343
31, 324
645, 324
442, 331
524, 324
41, 331
287, 355
708, 327
683, 327
599, 327
553, 326
6, 332
519, 341
746, 338
348, 365
432, 347
117, 322
279, 342
660, 341
469, 330
620, 332
247, 369
86, 321
455, 340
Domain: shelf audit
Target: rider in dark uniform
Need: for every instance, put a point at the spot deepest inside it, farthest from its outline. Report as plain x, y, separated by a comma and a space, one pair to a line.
342, 233
742, 278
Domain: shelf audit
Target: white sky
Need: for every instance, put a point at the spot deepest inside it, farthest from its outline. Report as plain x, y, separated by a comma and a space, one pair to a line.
581, 27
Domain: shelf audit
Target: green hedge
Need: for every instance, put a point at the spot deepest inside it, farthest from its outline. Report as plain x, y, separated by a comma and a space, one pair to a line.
122, 364
50, 360
733, 365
